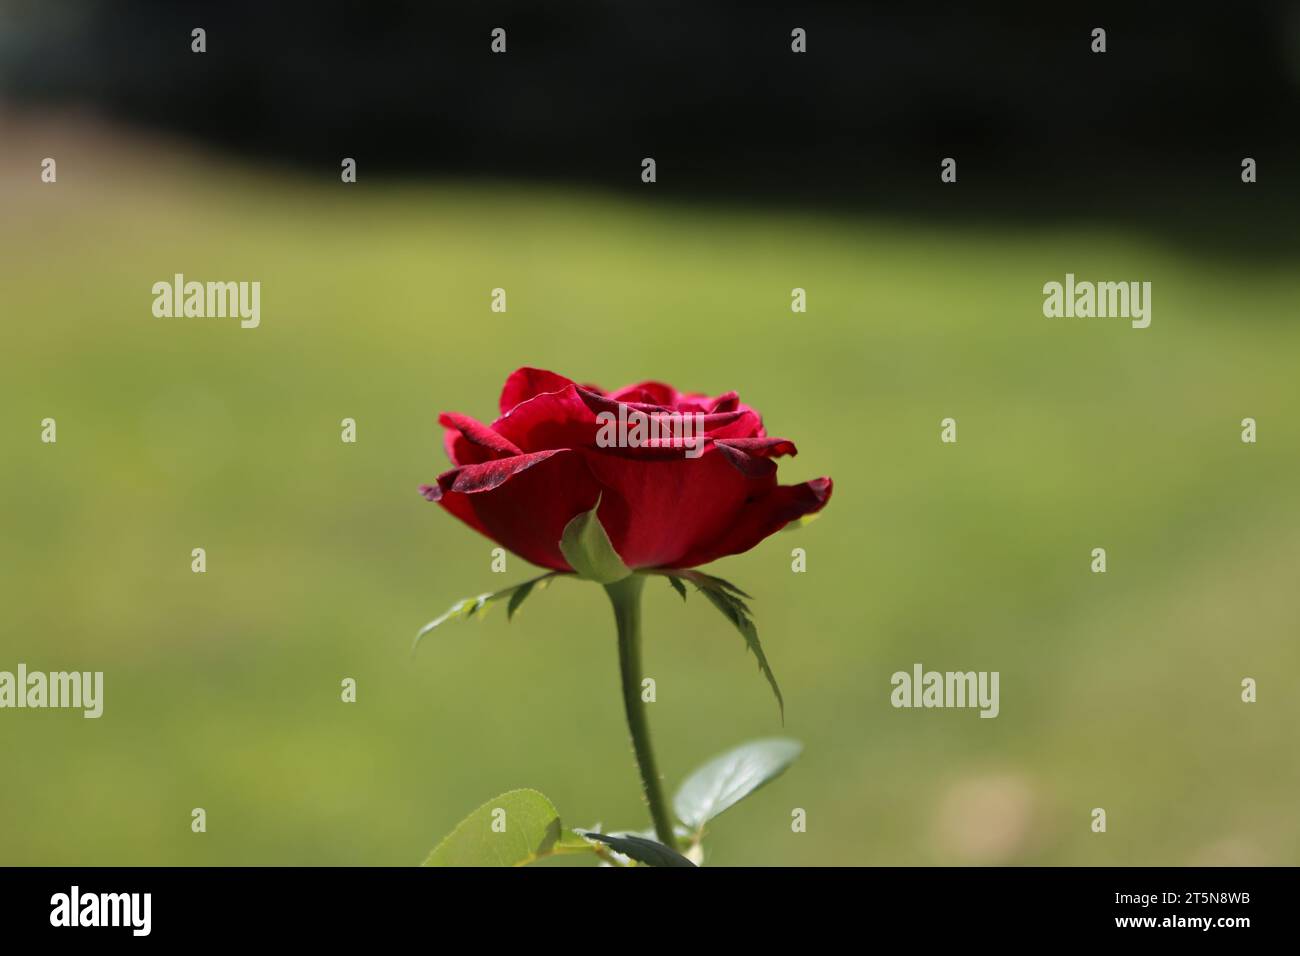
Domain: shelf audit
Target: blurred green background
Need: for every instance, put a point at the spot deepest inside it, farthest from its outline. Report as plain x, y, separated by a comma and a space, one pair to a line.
1119, 690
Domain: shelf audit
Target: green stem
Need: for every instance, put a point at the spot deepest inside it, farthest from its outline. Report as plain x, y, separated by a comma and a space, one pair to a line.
626, 598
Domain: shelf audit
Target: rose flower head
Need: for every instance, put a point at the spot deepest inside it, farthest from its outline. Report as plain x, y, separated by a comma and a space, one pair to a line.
681, 478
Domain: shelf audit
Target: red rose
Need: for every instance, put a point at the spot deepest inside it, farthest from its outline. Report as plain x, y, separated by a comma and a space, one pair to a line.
704, 488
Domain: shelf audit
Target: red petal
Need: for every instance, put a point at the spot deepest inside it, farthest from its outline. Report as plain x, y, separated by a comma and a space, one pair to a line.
469, 442
521, 503
753, 456
658, 511
725, 403
526, 382
550, 420
762, 517
648, 393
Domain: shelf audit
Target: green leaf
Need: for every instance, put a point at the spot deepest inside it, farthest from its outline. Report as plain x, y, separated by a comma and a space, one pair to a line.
586, 547
649, 852
726, 597
468, 607
700, 579
726, 780
572, 841
527, 830
517, 597
676, 582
